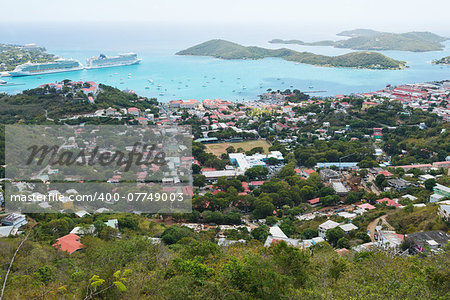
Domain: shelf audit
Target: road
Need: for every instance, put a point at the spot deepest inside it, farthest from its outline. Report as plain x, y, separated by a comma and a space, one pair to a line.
373, 224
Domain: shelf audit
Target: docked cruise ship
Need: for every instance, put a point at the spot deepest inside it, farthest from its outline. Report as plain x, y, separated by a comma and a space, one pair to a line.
59, 65
104, 61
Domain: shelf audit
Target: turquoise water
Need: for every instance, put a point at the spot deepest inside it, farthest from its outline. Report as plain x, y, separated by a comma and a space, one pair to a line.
184, 77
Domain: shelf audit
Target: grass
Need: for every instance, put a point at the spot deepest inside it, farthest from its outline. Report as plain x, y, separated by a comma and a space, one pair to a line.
219, 148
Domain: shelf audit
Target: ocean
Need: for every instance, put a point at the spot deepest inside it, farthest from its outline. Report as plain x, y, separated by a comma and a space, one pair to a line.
187, 77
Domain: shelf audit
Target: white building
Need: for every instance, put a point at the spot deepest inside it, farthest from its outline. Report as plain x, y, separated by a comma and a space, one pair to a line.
324, 227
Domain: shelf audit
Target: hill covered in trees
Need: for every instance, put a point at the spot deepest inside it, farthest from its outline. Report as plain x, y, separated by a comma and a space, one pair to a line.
229, 50
367, 39
13, 55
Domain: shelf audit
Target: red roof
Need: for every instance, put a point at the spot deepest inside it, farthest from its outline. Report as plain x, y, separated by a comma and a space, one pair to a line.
69, 243
388, 202
309, 171
385, 173
314, 201
245, 186
366, 206
255, 183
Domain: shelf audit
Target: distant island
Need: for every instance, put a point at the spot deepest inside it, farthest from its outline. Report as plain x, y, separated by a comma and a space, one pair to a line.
13, 55
229, 50
367, 39
442, 61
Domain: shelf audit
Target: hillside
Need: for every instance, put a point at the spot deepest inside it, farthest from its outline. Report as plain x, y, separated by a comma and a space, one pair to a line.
12, 55
443, 61
366, 39
228, 50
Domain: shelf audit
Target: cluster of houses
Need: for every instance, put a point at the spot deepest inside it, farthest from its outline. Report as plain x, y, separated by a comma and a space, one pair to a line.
89, 88
424, 96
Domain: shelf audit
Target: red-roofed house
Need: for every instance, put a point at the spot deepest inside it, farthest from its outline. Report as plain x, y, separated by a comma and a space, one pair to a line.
245, 186
388, 202
314, 202
134, 111
306, 173
368, 104
366, 206
69, 243
385, 173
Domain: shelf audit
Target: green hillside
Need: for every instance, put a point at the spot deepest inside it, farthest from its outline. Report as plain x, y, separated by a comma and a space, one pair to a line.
228, 50
12, 55
366, 39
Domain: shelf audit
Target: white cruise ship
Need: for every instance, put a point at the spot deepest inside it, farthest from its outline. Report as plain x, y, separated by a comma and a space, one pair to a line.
104, 61
59, 65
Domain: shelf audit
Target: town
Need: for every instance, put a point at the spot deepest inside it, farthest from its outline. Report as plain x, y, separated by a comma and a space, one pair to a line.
357, 173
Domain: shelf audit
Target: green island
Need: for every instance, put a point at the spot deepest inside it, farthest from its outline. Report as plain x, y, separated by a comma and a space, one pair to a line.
442, 61
13, 55
367, 39
228, 50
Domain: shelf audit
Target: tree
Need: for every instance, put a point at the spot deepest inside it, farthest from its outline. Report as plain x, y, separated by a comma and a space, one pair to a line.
108, 233
263, 209
334, 234
309, 233
380, 181
127, 222
196, 169
260, 233
230, 149
352, 197
429, 184
256, 172
199, 180
343, 243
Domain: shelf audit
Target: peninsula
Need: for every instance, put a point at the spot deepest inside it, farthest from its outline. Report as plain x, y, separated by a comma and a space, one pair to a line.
367, 39
13, 55
229, 50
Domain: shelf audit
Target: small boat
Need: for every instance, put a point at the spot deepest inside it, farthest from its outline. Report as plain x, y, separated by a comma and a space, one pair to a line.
150, 80
244, 87
122, 82
311, 87
147, 87
2, 82
161, 94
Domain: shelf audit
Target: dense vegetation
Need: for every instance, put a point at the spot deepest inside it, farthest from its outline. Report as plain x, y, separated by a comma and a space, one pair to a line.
366, 39
228, 50
11, 56
192, 266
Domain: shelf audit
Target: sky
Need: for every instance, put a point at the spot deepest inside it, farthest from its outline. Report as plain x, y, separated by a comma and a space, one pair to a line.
311, 15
